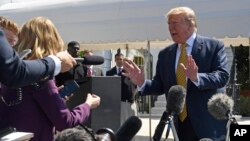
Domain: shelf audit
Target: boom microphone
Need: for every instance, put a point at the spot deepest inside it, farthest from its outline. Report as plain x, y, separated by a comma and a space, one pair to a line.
128, 129
160, 127
91, 60
176, 99
220, 106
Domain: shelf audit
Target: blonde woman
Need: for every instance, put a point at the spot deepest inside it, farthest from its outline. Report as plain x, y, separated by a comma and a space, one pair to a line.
38, 108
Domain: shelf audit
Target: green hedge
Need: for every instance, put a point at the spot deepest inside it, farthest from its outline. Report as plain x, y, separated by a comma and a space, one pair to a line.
244, 105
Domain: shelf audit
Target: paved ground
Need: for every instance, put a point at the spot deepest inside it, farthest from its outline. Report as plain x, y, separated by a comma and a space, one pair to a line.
144, 133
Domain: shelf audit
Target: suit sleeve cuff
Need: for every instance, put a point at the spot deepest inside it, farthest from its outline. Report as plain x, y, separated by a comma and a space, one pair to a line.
57, 64
140, 89
197, 83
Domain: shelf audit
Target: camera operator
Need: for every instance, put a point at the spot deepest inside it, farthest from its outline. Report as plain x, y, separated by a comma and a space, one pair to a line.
82, 133
77, 72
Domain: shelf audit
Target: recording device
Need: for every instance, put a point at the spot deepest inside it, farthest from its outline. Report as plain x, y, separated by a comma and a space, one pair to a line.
90, 60
175, 103
107, 134
220, 106
69, 87
128, 129
24, 53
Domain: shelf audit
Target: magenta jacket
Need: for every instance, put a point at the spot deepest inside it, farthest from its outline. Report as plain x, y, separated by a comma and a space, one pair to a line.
41, 111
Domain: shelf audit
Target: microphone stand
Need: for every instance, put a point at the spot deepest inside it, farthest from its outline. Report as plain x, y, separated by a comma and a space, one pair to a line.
166, 119
171, 122
228, 129
231, 120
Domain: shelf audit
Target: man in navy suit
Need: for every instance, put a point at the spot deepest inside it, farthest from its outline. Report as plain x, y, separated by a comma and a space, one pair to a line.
128, 105
206, 74
16, 72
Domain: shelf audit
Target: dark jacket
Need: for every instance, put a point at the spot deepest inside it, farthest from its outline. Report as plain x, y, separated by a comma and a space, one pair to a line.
128, 88
210, 57
16, 72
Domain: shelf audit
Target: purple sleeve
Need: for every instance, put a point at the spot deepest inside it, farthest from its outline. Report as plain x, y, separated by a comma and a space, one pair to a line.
56, 110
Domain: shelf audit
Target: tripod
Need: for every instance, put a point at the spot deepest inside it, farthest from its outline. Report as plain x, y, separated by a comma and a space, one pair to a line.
231, 120
166, 119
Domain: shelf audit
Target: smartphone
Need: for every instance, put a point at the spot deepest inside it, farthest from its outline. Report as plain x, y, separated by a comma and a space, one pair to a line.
69, 87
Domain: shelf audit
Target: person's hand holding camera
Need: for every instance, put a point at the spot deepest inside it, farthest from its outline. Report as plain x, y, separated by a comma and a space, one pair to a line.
93, 100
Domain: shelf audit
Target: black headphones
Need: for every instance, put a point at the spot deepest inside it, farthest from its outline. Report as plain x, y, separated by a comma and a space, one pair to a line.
106, 132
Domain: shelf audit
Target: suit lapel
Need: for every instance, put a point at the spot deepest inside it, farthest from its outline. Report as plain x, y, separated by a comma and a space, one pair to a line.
197, 48
114, 71
196, 51
171, 59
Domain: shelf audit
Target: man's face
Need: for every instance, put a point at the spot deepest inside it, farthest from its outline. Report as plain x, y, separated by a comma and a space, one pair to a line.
180, 29
119, 60
11, 37
73, 51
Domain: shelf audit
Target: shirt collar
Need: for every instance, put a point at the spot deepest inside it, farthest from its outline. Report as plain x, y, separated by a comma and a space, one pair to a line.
190, 41
117, 68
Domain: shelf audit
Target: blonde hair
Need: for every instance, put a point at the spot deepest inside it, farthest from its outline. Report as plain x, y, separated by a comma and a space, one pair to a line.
41, 36
9, 25
189, 14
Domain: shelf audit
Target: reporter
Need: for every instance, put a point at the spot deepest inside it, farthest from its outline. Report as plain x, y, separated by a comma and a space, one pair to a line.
38, 108
16, 72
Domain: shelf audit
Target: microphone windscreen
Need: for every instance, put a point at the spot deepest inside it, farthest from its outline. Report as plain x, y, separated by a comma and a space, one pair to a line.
176, 99
93, 60
128, 129
219, 105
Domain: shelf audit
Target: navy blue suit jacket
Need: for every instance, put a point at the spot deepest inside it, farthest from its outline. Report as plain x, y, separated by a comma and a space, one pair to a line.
16, 72
127, 87
211, 60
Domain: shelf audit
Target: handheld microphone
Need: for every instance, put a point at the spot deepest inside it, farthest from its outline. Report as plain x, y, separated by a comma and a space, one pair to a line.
128, 129
91, 60
220, 106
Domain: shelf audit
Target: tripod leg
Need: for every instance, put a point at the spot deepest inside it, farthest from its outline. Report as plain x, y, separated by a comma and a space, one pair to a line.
176, 138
